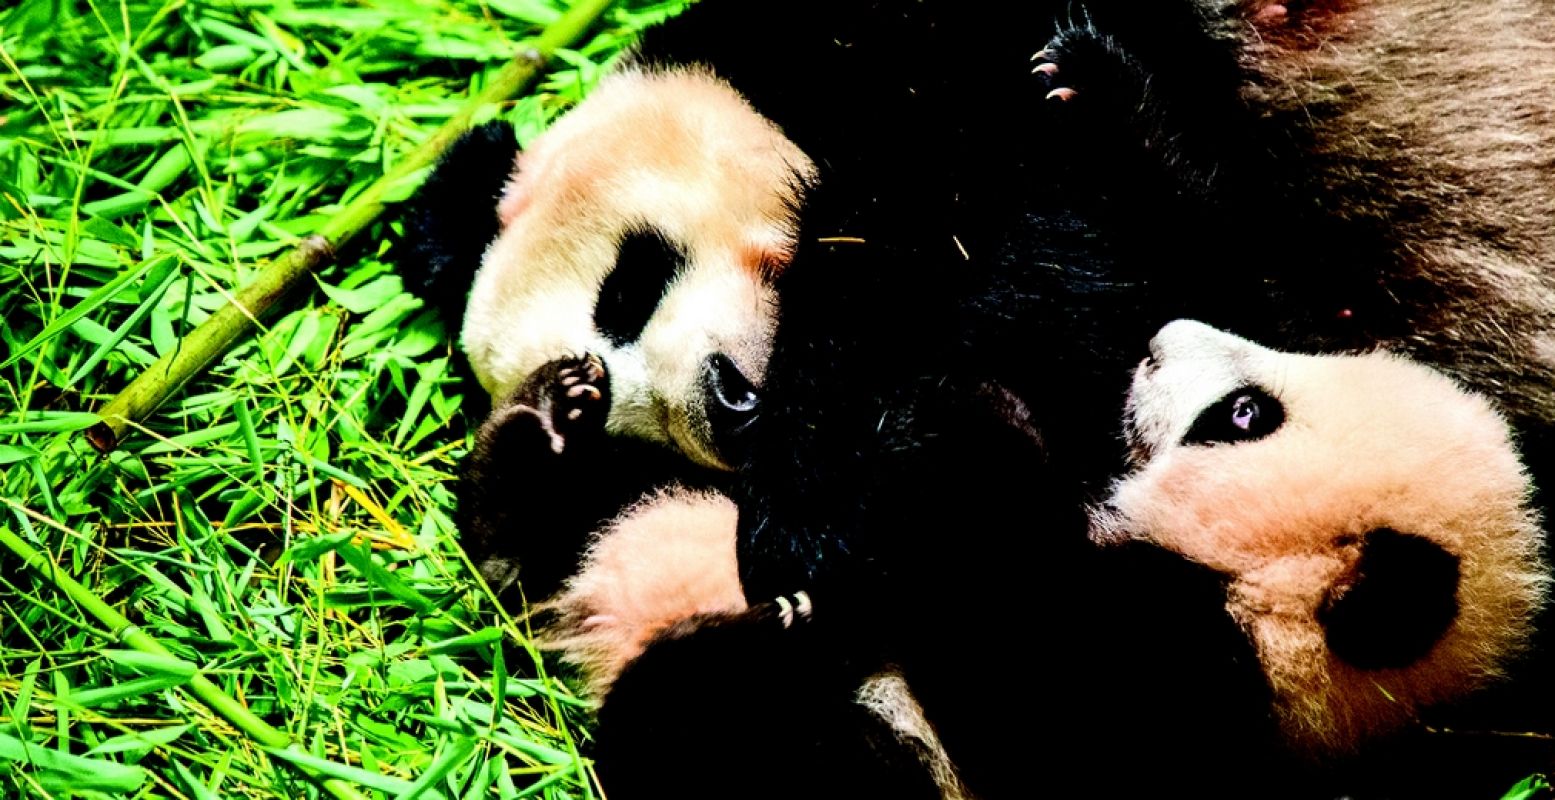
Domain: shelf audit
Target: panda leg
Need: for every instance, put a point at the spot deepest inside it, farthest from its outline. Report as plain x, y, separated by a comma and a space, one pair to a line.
1140, 134
531, 490
755, 705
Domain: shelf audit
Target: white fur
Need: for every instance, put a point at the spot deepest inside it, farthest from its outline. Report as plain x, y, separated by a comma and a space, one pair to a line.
1369, 441
676, 149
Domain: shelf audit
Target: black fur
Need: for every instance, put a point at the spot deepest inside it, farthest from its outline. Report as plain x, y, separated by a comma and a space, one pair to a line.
970, 239
726, 706
454, 217
646, 263
1403, 598
977, 270
539, 482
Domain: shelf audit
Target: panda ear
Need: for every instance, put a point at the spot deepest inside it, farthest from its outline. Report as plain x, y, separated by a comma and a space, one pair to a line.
453, 217
1401, 598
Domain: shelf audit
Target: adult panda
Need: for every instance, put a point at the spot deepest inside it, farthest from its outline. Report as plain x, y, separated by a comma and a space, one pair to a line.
969, 257
986, 244
1377, 571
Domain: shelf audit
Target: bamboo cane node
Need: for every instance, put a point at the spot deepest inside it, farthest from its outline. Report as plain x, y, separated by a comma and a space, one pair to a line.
317, 250
102, 437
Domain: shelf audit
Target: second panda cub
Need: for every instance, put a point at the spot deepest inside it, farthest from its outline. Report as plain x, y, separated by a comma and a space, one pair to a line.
1365, 525
1368, 522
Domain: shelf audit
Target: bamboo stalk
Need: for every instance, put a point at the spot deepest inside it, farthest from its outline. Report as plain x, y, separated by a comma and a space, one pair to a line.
222, 329
224, 705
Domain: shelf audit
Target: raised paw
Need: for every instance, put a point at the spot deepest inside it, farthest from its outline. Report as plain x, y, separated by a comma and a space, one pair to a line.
570, 397
1047, 71
789, 609
1083, 61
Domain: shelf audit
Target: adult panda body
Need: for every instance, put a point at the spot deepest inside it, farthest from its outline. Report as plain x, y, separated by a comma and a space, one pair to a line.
976, 271
969, 257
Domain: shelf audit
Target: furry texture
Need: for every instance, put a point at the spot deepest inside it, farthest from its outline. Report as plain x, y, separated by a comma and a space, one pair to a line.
443, 249
1369, 442
1433, 124
666, 568
891, 699
676, 154
640, 234
971, 280
666, 559
968, 240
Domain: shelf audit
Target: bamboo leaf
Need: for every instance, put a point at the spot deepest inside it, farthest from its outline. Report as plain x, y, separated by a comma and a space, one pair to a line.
79, 773
107, 292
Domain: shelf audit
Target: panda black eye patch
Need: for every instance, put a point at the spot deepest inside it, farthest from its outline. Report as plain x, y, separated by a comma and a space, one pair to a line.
1244, 415
646, 262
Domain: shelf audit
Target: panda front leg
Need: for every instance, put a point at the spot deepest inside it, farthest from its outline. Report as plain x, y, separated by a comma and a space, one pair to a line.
530, 492
1142, 132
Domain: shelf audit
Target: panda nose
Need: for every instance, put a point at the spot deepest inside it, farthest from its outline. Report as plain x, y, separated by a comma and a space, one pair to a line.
728, 391
1402, 597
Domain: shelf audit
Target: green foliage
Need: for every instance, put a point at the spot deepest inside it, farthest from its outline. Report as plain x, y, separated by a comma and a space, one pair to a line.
1530, 788
283, 525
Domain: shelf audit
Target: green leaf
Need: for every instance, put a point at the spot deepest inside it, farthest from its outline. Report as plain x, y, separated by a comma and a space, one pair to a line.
105, 293
469, 641
449, 757
140, 742
51, 422
331, 769
77, 772
1528, 788
152, 663
125, 690
366, 299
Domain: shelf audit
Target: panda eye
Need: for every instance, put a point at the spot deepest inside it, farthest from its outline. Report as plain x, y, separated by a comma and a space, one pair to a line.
1243, 415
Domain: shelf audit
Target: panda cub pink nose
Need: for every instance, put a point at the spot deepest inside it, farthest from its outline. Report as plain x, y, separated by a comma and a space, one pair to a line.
1401, 598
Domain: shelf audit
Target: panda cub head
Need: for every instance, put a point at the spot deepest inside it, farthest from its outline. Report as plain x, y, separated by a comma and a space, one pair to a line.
644, 227
1369, 517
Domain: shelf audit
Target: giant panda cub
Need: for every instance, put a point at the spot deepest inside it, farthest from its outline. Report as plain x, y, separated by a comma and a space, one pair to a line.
1369, 523
614, 281
1380, 560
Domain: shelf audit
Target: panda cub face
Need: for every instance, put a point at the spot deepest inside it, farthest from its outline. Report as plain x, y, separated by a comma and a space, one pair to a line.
644, 227
1369, 516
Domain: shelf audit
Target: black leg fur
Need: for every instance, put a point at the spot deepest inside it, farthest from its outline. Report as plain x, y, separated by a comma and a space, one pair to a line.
740, 706
454, 217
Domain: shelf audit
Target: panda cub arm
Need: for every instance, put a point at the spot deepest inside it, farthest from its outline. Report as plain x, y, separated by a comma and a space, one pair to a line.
766, 707
544, 476
657, 626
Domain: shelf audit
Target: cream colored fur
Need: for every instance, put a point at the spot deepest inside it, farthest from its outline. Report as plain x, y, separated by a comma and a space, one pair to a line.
663, 560
1369, 441
888, 696
669, 558
677, 149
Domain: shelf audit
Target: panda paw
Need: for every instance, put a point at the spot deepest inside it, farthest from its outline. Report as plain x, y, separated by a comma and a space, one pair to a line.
568, 399
1084, 62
